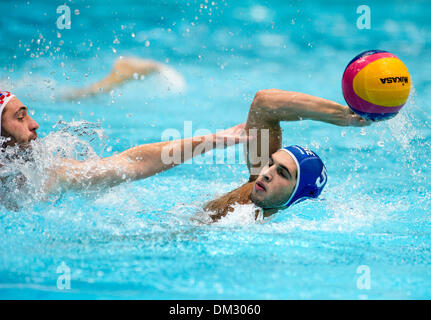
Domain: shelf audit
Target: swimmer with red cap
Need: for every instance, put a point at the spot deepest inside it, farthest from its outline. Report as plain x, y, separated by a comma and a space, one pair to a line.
18, 128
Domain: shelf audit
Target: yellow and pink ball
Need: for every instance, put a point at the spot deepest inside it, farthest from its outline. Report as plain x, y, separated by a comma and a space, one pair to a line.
376, 84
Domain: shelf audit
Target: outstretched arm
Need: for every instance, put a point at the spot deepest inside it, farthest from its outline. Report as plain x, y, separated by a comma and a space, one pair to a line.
271, 106
138, 162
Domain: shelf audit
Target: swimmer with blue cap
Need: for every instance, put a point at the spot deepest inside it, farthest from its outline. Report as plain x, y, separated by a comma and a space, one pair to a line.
311, 175
282, 176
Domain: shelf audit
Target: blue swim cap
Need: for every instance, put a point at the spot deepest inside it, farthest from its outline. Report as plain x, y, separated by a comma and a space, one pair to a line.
311, 177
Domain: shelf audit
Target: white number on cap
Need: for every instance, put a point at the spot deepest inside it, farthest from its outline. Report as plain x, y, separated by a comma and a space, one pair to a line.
320, 181
309, 152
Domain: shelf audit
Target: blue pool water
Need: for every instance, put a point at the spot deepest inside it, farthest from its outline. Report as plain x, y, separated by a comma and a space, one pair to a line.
137, 240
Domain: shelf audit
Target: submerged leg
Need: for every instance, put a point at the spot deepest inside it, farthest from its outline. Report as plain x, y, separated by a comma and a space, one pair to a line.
124, 69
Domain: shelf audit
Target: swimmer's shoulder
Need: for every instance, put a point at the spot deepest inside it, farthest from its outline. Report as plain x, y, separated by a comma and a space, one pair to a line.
221, 206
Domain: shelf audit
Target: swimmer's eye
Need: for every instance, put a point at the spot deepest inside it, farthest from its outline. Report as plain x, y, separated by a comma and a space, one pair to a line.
21, 115
270, 162
281, 171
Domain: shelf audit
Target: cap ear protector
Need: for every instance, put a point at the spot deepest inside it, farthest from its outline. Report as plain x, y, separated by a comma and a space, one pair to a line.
311, 174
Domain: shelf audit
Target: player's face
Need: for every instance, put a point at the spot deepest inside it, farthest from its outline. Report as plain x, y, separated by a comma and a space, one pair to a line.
17, 123
276, 181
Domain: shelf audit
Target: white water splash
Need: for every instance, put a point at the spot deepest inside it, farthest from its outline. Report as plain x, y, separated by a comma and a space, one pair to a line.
241, 215
172, 80
24, 172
